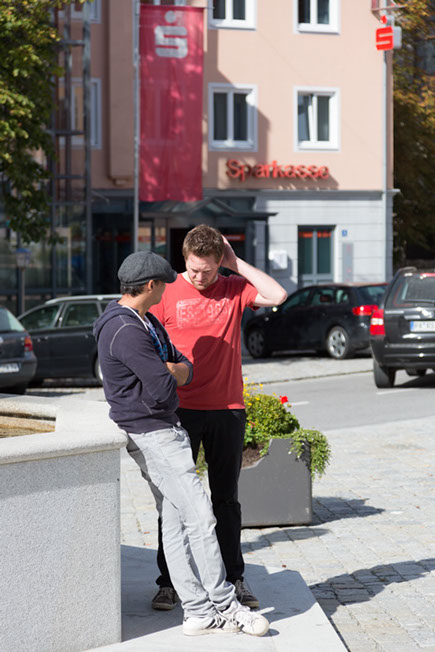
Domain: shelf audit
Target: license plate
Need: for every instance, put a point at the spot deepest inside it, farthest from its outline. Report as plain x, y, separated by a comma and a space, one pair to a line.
422, 326
9, 368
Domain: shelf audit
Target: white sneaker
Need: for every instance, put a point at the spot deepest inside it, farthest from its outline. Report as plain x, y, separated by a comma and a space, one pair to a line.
216, 624
248, 621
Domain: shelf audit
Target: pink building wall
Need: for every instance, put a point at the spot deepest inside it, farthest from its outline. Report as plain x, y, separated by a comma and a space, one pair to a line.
276, 59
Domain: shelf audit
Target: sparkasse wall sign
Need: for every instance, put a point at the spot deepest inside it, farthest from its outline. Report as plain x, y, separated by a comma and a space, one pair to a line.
238, 170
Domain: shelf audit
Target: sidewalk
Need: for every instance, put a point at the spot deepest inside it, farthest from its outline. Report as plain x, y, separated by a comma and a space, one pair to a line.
280, 368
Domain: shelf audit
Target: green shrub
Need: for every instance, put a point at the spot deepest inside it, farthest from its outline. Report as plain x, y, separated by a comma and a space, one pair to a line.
268, 416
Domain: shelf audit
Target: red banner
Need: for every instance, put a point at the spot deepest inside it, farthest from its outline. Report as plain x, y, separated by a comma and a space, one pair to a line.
171, 79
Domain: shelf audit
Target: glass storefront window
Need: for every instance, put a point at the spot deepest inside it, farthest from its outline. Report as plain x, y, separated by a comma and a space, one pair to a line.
305, 252
324, 252
315, 255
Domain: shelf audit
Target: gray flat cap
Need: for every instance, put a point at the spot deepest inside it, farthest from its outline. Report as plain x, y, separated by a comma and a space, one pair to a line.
144, 266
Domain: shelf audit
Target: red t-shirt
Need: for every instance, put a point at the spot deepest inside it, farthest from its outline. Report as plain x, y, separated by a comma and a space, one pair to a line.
205, 326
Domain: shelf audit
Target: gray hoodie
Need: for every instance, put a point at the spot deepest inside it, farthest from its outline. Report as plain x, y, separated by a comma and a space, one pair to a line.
141, 392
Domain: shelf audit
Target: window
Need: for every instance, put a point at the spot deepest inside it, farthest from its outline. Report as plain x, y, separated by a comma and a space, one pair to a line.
77, 11
80, 314
299, 299
233, 117
317, 15
41, 318
9, 323
77, 111
236, 14
317, 118
315, 255
321, 296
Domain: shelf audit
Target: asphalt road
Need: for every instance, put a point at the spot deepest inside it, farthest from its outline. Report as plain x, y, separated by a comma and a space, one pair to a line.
354, 400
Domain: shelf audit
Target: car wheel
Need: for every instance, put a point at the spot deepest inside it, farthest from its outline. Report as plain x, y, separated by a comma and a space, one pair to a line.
256, 343
97, 371
384, 376
338, 343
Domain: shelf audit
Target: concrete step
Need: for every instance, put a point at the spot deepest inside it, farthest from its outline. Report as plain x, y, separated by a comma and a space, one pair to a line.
297, 622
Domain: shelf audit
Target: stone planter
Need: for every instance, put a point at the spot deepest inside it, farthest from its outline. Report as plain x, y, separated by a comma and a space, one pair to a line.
60, 525
277, 489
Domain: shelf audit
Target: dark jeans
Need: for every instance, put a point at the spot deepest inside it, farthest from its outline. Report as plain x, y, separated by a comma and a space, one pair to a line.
222, 433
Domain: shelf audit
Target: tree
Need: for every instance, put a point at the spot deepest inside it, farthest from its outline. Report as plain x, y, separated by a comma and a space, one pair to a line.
414, 133
28, 64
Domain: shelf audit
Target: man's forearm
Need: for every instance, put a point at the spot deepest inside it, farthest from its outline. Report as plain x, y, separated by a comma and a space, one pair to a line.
270, 291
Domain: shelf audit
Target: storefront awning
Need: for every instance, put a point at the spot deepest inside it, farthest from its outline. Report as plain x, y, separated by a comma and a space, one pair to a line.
210, 207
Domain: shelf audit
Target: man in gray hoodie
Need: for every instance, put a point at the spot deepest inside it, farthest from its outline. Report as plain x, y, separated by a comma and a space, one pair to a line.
141, 371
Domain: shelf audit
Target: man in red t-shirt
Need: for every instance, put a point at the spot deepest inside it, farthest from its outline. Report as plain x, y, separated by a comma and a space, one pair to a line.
202, 312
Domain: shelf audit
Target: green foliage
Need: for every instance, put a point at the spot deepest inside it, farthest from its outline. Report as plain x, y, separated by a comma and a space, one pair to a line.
267, 417
320, 451
28, 64
414, 130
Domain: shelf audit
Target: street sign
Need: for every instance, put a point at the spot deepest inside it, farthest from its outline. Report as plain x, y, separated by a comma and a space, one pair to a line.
390, 36
384, 38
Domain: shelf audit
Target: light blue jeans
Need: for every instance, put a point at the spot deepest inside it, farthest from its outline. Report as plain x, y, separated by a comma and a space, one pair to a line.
188, 523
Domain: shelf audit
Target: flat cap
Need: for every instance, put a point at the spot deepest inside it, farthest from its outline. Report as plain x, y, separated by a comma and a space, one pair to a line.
144, 266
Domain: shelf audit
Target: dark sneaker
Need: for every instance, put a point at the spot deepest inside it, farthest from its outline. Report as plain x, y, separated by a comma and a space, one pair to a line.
216, 624
165, 599
248, 621
244, 596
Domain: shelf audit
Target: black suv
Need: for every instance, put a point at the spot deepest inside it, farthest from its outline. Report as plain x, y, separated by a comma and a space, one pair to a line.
402, 330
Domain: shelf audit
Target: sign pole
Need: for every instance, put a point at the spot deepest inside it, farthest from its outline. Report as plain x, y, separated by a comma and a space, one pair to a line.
136, 122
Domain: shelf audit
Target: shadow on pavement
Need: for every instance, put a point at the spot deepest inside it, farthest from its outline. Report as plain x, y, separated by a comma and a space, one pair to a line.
365, 583
327, 509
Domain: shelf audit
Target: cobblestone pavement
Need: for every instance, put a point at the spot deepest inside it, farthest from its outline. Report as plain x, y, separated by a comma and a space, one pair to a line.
369, 554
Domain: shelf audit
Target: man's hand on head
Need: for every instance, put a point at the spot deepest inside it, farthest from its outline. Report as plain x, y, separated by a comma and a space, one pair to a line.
230, 259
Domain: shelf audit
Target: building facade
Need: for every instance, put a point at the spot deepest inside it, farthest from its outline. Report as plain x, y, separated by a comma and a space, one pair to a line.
297, 146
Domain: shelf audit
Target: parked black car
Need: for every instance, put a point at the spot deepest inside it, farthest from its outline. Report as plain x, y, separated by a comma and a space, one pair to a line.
333, 317
61, 331
17, 359
402, 329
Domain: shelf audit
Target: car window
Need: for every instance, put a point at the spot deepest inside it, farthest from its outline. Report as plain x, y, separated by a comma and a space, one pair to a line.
40, 318
342, 296
297, 299
80, 314
371, 294
409, 290
323, 296
8, 322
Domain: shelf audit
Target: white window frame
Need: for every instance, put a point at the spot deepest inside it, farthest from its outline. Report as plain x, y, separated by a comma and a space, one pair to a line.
332, 28
96, 114
228, 22
334, 119
77, 14
230, 144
